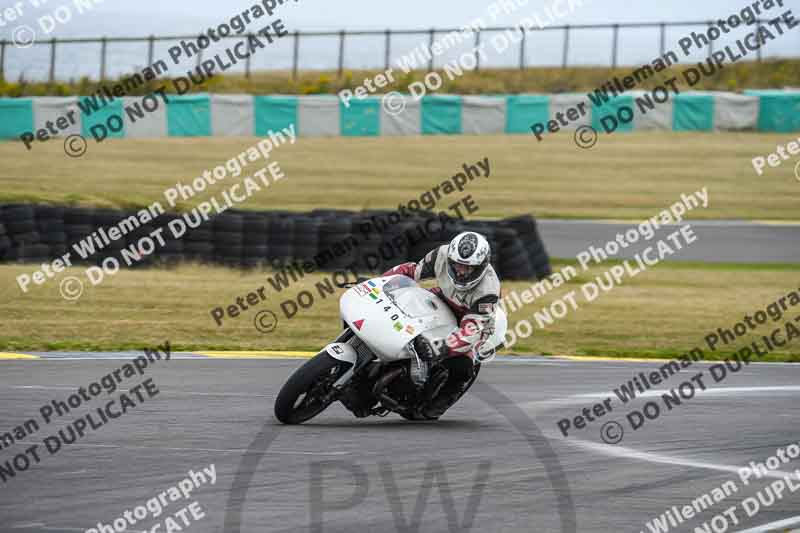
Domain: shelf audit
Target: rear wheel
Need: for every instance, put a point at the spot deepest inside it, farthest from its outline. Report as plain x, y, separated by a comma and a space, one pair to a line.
307, 392
418, 416
469, 383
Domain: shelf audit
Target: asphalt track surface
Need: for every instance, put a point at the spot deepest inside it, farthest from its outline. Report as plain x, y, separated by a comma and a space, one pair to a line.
495, 462
717, 241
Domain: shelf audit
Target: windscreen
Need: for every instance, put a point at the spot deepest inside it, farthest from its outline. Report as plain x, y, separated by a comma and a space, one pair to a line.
413, 300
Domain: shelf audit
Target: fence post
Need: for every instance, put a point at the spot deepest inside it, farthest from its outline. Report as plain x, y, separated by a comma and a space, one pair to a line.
710, 43
341, 52
150, 49
103, 42
3, 59
614, 47
522, 49
431, 33
663, 39
249, 55
388, 48
52, 60
477, 53
296, 54
566, 47
758, 30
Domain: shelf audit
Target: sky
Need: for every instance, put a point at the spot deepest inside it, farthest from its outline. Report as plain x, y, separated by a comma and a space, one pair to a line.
179, 17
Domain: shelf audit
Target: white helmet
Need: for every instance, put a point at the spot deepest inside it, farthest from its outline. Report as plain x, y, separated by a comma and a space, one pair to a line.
468, 258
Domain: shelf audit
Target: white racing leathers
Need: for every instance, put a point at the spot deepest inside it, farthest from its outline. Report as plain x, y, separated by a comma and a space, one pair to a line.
474, 308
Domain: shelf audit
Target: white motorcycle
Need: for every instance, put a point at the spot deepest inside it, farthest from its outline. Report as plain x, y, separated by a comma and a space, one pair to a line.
384, 361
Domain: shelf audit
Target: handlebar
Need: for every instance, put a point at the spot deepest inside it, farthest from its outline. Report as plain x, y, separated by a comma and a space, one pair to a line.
349, 284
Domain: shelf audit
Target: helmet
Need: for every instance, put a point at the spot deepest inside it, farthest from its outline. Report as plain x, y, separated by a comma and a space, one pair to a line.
468, 258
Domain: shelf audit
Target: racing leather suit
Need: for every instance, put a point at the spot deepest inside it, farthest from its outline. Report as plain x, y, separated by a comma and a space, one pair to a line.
474, 309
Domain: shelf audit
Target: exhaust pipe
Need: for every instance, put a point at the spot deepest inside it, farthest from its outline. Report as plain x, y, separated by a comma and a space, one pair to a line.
381, 385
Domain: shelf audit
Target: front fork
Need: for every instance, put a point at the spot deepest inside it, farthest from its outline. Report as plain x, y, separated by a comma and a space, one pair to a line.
356, 364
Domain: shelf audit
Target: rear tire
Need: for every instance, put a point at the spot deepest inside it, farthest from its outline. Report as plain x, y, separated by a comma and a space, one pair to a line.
475, 372
301, 397
418, 417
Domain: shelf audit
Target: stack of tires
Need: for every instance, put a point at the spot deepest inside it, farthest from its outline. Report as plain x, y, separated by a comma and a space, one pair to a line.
26, 244
50, 226
78, 225
367, 229
367, 241
531, 243
104, 218
306, 243
228, 239
280, 236
255, 225
337, 250
171, 252
5, 242
198, 242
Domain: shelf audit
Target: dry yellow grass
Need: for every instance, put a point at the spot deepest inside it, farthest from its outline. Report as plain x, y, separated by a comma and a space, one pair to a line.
628, 176
772, 73
661, 312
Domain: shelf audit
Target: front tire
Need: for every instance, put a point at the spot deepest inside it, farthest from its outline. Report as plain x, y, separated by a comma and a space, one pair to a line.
302, 397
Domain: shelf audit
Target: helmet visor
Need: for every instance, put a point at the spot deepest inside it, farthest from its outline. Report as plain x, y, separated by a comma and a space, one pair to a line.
464, 274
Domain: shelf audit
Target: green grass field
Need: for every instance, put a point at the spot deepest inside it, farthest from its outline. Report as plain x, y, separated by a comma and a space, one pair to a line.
625, 176
662, 312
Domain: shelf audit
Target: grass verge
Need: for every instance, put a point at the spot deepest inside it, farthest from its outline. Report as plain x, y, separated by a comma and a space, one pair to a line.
625, 176
663, 312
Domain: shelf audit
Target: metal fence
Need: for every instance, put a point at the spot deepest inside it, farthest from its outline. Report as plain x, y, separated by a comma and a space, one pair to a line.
387, 37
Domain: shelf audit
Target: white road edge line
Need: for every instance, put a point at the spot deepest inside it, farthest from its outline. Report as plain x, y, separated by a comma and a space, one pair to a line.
614, 450
237, 450
168, 391
575, 399
772, 525
708, 391
630, 453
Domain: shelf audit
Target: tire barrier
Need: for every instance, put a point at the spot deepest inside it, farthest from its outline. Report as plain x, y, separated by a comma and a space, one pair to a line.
323, 239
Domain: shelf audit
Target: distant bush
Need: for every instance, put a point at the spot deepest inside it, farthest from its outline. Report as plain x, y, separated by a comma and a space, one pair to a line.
771, 74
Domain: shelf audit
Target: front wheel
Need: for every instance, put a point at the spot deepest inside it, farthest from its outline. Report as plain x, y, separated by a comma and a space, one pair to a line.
307, 392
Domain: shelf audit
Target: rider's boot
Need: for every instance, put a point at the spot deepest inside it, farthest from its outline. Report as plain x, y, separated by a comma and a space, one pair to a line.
459, 372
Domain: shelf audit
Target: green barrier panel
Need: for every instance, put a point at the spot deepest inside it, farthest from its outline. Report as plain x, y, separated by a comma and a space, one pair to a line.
274, 113
189, 115
779, 111
524, 110
606, 117
693, 112
17, 117
100, 117
441, 115
362, 118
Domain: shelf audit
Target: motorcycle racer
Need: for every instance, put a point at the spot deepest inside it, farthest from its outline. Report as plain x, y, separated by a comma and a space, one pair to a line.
469, 286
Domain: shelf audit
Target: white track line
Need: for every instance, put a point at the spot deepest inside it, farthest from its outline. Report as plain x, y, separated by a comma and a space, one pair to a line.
576, 399
236, 450
630, 453
772, 526
615, 450
169, 391
708, 391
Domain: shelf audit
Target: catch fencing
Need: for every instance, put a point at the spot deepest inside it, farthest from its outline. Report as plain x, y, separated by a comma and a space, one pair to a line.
103, 45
